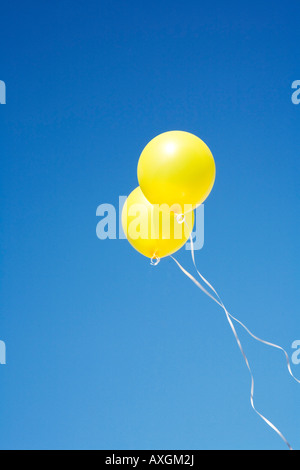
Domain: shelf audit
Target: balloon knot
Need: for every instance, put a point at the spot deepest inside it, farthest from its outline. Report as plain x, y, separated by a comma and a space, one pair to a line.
155, 260
180, 218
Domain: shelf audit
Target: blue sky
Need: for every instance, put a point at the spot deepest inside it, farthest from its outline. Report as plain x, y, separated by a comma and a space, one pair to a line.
103, 350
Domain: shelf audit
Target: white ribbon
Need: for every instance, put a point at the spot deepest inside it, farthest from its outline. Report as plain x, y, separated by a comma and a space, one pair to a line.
230, 317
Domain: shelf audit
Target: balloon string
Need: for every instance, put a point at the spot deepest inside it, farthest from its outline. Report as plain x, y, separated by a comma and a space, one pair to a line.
241, 349
273, 345
230, 317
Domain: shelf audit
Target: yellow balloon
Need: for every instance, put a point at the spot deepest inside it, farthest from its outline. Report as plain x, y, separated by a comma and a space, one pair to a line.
151, 231
176, 168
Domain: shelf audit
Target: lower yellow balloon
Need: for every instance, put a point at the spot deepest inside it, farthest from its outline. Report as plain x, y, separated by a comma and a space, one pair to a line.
151, 231
176, 168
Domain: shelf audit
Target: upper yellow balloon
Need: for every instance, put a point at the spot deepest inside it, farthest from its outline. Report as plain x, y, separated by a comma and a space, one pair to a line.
152, 232
176, 168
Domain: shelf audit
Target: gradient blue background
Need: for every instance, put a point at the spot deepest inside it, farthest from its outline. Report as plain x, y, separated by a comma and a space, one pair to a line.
103, 350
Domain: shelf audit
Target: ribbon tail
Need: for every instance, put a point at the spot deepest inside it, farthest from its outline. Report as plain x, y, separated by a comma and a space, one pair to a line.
229, 318
267, 343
